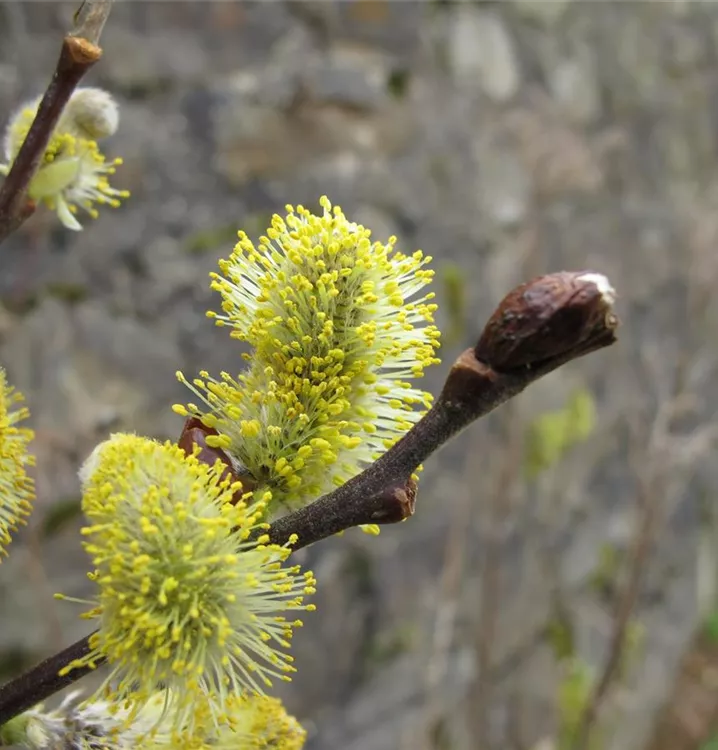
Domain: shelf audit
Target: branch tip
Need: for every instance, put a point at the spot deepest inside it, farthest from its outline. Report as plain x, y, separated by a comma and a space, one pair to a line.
548, 319
90, 19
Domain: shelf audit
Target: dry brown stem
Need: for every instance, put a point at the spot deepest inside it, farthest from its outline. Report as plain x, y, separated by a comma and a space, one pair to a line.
90, 19
642, 543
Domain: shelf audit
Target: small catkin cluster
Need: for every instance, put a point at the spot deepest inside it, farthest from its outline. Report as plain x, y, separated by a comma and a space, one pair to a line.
73, 172
339, 326
253, 723
16, 487
191, 594
195, 608
262, 722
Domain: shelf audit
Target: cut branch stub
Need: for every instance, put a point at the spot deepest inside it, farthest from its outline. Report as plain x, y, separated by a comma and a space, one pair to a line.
90, 19
395, 503
82, 51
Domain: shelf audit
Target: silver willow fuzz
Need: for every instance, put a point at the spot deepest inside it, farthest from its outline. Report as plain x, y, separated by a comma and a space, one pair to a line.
93, 725
252, 723
261, 723
185, 599
338, 333
16, 487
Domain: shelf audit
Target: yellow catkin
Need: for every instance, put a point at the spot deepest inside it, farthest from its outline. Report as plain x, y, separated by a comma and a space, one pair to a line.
16, 487
184, 597
340, 327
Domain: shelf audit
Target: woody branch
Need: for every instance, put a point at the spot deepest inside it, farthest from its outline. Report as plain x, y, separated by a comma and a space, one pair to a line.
538, 327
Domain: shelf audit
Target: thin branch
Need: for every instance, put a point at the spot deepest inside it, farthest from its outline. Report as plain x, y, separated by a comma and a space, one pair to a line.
90, 19
652, 468
448, 596
378, 494
41, 681
492, 540
642, 543
538, 327
78, 54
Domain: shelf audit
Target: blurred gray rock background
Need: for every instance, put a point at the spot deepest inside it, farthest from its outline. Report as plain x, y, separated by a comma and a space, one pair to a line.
507, 139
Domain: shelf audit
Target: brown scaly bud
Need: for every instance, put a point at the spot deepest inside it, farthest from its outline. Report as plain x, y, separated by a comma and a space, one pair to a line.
194, 433
549, 318
538, 327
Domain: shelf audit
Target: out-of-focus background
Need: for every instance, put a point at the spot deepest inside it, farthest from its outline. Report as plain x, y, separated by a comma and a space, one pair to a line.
507, 139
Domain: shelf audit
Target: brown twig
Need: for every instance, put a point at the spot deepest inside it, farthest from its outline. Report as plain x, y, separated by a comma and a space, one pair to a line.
492, 540
643, 540
447, 600
537, 328
649, 481
42, 681
78, 54
90, 19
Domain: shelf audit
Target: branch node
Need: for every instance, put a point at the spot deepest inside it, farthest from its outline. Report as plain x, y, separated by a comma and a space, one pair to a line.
468, 375
81, 51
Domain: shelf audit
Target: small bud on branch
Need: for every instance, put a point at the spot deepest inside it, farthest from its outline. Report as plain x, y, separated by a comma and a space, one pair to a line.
545, 318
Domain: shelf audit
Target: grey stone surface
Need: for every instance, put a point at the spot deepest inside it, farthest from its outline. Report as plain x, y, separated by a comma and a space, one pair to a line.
544, 13
573, 84
506, 139
482, 52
